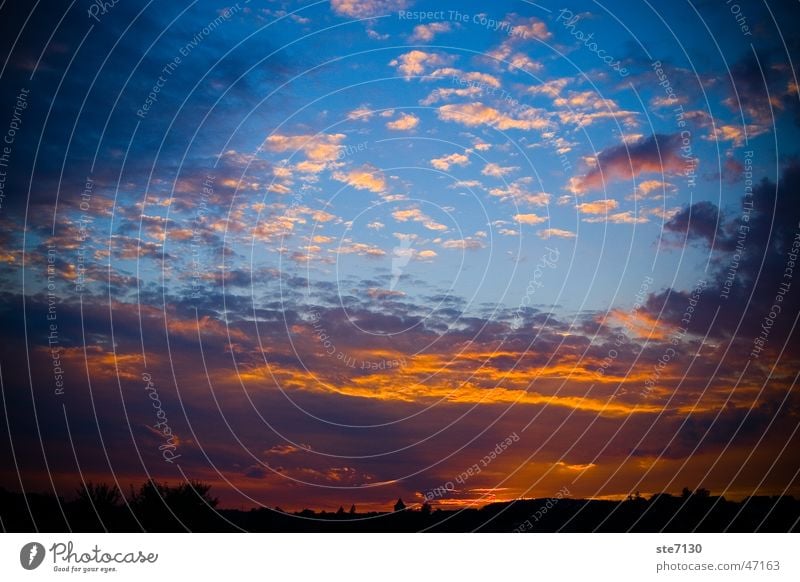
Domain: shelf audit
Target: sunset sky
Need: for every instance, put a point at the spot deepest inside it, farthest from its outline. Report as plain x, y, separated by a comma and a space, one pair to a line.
335, 252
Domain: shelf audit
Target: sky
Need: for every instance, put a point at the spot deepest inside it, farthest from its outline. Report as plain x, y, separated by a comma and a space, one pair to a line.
335, 252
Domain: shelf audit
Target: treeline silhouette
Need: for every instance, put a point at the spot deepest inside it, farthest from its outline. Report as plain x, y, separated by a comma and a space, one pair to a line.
158, 507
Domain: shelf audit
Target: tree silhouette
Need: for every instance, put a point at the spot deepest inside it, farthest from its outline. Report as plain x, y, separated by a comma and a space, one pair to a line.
187, 506
97, 507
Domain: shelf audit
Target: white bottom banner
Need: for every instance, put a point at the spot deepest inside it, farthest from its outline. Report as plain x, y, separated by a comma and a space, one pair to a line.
355, 557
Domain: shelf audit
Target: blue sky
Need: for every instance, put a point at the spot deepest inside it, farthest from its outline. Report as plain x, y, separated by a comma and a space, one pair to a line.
478, 195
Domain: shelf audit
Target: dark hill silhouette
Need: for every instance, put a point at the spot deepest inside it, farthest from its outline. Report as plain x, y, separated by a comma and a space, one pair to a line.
159, 507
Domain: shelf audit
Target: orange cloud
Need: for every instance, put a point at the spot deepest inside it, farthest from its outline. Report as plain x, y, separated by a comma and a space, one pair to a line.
416, 215
367, 8
626, 217
426, 32
404, 122
414, 63
364, 178
496, 170
603, 206
518, 193
555, 232
529, 218
474, 114
445, 162
318, 148
657, 154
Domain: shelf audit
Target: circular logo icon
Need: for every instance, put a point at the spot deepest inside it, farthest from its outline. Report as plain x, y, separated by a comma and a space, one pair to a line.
31, 555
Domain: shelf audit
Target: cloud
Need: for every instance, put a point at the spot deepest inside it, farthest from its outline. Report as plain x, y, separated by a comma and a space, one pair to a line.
734, 133
468, 243
732, 170
660, 187
747, 272
528, 28
349, 247
445, 162
383, 294
375, 35
323, 147
656, 154
404, 122
520, 31
626, 217
700, 221
446, 93
262, 311
529, 218
762, 85
552, 88
367, 8
415, 63
519, 193
468, 184
362, 113
555, 233
496, 170
476, 79
287, 449
416, 215
426, 32
366, 177
475, 114
664, 213
720, 131
603, 206
583, 108
318, 148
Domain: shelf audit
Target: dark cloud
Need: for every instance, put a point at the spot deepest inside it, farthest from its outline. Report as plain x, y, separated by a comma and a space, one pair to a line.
658, 154
700, 222
751, 254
